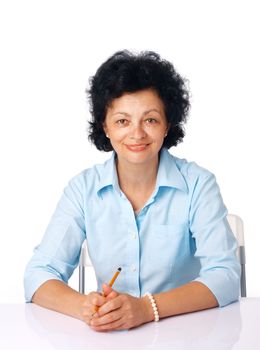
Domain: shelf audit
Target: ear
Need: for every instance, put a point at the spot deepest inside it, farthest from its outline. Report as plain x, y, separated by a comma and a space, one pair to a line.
105, 128
167, 129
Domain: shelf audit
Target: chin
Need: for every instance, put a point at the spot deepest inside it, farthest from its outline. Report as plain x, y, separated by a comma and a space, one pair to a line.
140, 158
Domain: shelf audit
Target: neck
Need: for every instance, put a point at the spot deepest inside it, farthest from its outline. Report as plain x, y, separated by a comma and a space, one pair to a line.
135, 177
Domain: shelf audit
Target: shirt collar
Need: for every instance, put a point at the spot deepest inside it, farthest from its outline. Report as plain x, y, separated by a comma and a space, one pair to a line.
108, 177
168, 174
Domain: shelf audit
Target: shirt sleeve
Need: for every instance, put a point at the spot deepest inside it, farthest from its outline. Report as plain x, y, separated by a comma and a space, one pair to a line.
216, 245
58, 254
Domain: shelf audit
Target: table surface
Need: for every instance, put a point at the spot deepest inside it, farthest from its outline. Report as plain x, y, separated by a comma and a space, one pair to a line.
236, 326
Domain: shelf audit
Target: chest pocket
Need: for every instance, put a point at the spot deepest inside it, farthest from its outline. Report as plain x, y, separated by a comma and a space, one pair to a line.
168, 244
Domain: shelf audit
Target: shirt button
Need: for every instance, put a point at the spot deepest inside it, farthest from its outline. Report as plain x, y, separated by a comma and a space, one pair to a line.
133, 268
133, 235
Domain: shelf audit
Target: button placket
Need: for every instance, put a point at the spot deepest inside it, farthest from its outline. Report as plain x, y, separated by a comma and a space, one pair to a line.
133, 268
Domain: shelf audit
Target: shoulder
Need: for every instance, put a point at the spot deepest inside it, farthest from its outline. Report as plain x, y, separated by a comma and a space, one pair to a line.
194, 175
90, 178
191, 170
188, 169
201, 183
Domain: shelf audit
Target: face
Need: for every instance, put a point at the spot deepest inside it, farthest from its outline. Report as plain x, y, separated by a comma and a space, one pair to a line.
136, 125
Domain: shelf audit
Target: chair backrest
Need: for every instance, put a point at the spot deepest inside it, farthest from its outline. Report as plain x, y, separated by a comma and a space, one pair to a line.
84, 263
237, 227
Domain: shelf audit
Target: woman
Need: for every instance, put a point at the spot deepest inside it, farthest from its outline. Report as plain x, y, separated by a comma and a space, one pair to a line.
160, 218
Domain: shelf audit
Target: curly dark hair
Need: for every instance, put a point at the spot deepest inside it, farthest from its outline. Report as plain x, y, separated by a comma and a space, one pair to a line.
126, 72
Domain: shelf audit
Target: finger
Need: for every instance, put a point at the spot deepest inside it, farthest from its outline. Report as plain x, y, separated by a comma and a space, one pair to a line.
109, 292
118, 324
86, 319
106, 289
99, 300
107, 318
92, 304
112, 295
96, 309
94, 298
109, 306
87, 313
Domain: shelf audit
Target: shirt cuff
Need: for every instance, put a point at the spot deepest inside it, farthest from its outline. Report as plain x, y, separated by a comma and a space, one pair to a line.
224, 287
35, 280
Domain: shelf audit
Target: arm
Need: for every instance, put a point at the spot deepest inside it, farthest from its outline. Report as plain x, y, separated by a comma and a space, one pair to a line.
216, 245
190, 297
55, 259
57, 256
58, 296
125, 311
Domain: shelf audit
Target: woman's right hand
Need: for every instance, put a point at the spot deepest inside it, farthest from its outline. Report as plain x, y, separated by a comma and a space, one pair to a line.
93, 301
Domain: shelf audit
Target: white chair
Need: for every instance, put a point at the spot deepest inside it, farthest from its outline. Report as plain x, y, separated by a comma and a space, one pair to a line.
84, 264
236, 225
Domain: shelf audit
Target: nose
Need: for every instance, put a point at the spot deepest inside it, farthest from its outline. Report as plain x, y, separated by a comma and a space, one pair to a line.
137, 132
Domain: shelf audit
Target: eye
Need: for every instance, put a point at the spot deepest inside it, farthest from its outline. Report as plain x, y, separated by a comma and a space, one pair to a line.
151, 120
122, 121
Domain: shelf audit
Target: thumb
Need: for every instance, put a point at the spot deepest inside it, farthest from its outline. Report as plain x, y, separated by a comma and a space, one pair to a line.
108, 291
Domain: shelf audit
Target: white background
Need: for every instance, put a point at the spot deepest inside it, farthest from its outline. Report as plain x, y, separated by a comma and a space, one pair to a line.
48, 51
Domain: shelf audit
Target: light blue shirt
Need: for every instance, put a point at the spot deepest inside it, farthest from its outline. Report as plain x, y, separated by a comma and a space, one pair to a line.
180, 235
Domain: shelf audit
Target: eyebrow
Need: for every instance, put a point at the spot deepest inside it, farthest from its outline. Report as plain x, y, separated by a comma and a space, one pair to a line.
144, 113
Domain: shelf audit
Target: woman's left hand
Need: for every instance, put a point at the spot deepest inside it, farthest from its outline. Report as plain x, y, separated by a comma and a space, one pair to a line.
122, 312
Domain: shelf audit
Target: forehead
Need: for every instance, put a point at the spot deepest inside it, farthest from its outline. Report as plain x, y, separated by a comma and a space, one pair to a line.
140, 99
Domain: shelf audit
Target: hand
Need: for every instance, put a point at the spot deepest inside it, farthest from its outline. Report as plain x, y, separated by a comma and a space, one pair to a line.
93, 301
120, 311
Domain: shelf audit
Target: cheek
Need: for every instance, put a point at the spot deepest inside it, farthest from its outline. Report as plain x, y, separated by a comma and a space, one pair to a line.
157, 134
117, 135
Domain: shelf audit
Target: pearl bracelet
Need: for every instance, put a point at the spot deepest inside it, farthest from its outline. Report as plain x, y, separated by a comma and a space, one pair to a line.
154, 306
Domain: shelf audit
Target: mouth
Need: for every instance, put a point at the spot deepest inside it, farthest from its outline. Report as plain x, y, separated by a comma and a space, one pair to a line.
137, 147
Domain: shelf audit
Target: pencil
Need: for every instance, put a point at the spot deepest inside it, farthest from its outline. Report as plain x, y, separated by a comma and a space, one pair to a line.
112, 281
114, 277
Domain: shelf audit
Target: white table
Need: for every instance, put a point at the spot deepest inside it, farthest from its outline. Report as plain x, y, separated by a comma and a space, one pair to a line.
237, 326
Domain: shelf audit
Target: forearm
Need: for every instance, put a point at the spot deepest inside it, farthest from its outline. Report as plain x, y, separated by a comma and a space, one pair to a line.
193, 296
58, 296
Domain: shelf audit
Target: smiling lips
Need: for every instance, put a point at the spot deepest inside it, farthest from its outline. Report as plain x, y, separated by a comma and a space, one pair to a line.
137, 148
